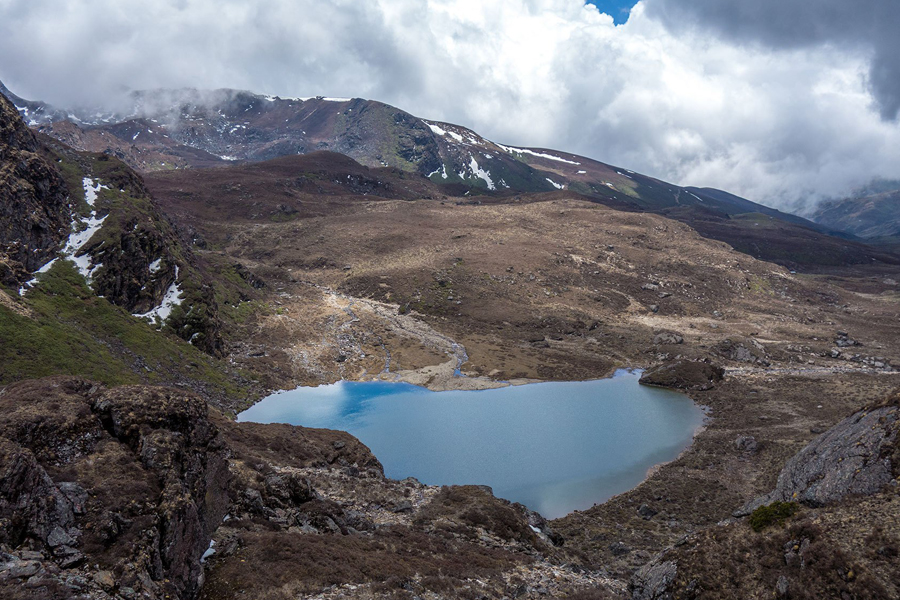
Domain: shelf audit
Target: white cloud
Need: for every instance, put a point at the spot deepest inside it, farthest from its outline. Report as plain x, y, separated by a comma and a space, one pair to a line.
781, 126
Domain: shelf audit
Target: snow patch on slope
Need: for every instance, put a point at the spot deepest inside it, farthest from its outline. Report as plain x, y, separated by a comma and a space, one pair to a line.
83, 229
558, 186
172, 299
442, 171
479, 172
443, 132
512, 150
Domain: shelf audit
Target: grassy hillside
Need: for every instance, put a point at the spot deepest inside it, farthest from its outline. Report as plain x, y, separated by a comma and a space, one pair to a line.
62, 327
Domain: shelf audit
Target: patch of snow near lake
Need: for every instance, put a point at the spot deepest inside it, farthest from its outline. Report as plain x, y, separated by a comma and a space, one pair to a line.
558, 186
512, 150
169, 301
479, 172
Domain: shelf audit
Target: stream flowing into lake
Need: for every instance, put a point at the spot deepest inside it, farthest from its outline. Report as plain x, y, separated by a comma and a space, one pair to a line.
555, 446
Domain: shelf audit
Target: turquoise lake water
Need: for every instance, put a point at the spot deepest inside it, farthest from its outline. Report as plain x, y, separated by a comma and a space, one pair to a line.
555, 447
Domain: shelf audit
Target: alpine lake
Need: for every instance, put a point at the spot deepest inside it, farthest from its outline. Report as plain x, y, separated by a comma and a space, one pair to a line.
555, 446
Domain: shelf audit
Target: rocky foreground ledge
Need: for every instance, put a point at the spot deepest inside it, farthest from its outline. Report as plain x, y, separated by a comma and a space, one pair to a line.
145, 492
829, 529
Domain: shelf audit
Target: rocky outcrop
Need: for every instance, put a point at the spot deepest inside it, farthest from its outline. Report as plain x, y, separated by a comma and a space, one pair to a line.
684, 375
107, 490
651, 582
752, 352
136, 246
34, 209
31, 505
116, 492
859, 455
668, 337
136, 257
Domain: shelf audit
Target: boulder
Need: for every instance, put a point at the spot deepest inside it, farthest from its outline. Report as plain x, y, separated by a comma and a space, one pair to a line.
667, 337
683, 374
651, 582
738, 352
859, 455
746, 444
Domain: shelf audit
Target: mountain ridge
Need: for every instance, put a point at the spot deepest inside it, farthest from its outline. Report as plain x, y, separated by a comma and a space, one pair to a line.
174, 129
236, 125
871, 213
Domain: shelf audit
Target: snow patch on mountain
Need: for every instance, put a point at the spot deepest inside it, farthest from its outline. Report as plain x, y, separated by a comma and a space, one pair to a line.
481, 173
442, 171
512, 150
91, 190
558, 186
443, 132
83, 229
172, 299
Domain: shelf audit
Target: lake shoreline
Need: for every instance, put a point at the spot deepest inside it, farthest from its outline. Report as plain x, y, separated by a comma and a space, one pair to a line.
550, 445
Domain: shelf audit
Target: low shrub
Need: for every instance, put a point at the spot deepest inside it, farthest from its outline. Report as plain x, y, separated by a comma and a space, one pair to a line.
772, 514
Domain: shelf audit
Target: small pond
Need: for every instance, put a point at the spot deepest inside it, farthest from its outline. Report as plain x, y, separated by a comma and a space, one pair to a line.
555, 447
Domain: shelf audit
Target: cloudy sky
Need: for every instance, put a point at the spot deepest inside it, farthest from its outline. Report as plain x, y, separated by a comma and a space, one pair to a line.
781, 101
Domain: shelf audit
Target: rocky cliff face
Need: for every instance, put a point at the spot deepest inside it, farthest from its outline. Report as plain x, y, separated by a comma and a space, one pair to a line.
106, 490
129, 252
858, 456
34, 209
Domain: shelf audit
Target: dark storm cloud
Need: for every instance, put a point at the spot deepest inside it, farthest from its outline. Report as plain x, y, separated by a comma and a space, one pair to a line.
74, 52
869, 26
767, 100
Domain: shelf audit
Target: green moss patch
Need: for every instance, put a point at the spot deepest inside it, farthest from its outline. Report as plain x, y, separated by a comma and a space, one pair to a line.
772, 514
